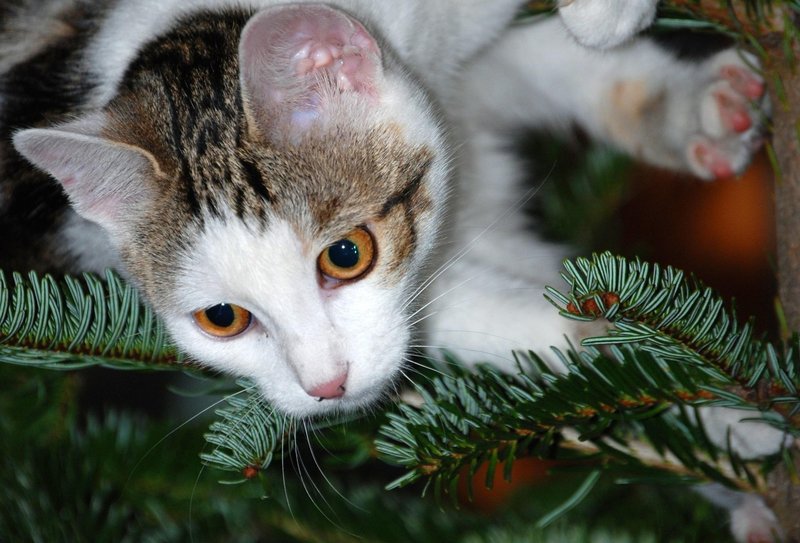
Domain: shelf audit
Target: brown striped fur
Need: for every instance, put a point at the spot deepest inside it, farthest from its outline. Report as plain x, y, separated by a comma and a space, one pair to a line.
181, 102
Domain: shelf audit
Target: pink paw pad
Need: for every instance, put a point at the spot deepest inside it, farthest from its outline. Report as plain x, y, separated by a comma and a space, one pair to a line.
711, 160
733, 112
743, 81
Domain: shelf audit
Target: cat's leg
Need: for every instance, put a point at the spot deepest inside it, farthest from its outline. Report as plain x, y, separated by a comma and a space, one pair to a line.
703, 117
639, 97
486, 297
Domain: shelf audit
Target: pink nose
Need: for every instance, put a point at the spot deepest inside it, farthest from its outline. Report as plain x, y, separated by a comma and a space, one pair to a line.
332, 389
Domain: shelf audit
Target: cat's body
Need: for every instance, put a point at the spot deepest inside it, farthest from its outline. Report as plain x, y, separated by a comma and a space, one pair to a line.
296, 162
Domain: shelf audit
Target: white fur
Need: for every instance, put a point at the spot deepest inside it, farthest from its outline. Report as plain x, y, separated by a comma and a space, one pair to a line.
488, 299
89, 242
746, 432
751, 520
606, 23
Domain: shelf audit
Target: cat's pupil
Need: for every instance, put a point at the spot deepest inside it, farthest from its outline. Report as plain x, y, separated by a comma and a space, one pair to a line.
343, 253
221, 315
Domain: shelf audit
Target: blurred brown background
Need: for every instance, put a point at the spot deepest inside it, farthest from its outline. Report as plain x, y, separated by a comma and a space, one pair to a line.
723, 231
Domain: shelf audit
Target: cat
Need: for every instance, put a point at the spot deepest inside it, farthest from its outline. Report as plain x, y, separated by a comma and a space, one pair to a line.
275, 178
279, 180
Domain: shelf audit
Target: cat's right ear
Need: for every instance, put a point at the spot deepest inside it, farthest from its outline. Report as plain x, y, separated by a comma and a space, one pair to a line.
106, 182
300, 64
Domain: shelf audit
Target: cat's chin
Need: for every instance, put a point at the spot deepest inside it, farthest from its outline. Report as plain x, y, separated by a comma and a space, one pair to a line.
302, 406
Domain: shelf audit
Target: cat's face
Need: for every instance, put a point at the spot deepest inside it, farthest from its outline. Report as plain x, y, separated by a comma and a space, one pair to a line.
274, 196
315, 290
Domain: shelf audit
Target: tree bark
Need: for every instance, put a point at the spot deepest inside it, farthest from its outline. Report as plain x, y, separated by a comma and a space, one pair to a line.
783, 497
784, 83
783, 80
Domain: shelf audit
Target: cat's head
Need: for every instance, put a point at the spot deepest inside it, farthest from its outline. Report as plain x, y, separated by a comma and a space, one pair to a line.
273, 183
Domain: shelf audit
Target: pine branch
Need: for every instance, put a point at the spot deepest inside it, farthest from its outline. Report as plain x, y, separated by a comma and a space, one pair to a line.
745, 17
78, 322
470, 418
247, 435
616, 405
680, 320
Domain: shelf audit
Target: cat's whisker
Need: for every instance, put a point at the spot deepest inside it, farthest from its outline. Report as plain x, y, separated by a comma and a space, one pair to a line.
283, 471
437, 298
308, 473
431, 363
399, 395
406, 377
191, 500
259, 403
302, 469
423, 318
181, 425
529, 194
462, 302
491, 354
425, 367
322, 471
430, 368
296, 463
416, 371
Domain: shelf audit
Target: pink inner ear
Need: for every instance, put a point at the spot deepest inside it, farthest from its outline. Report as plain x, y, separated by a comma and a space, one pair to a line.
324, 49
294, 58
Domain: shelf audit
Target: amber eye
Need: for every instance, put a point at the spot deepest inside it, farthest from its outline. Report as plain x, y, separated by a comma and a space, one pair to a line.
350, 257
223, 320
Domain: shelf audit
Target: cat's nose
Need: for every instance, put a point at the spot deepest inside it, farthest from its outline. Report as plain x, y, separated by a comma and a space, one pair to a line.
330, 390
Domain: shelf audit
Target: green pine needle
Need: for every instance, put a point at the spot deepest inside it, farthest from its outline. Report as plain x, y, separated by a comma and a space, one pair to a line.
683, 322
73, 323
248, 434
602, 404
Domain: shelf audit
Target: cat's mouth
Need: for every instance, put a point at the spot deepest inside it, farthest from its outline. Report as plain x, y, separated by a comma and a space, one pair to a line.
338, 399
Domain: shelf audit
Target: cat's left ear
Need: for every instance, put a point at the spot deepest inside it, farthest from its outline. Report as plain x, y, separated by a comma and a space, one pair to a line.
107, 182
298, 63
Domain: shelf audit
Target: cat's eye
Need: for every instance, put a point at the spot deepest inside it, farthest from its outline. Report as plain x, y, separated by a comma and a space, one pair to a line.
223, 320
349, 258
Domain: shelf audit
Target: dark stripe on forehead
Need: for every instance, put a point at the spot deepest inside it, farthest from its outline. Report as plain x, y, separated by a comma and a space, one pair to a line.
256, 181
177, 136
405, 194
185, 86
240, 202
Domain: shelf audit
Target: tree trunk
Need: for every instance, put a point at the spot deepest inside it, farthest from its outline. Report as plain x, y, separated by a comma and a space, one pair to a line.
783, 80
784, 84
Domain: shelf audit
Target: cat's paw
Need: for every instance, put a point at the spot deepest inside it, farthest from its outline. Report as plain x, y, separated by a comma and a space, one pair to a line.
602, 24
732, 106
753, 522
